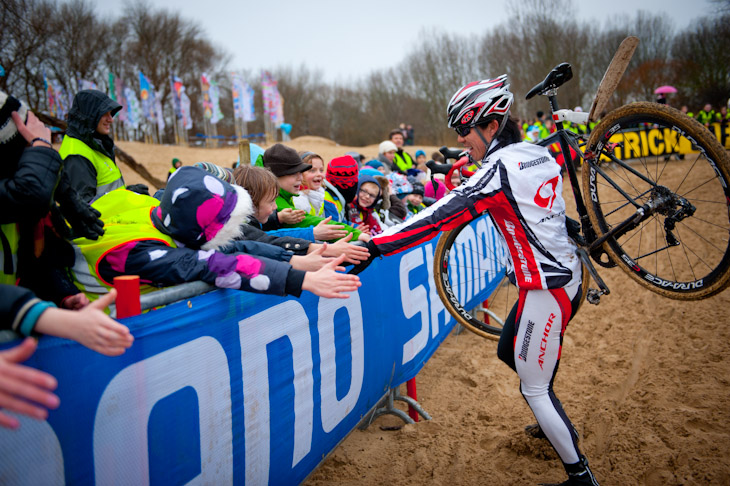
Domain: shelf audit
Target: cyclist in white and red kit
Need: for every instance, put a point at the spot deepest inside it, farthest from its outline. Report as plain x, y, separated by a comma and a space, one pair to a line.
520, 186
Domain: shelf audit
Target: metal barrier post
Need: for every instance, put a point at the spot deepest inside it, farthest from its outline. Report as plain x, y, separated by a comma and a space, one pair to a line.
411, 391
389, 408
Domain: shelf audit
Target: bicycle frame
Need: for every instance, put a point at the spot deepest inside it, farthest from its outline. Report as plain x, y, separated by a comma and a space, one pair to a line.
567, 141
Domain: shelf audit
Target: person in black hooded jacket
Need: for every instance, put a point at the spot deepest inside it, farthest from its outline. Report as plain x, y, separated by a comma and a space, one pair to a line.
88, 149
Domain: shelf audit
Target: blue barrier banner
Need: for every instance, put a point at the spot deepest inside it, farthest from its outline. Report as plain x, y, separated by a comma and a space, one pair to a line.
232, 387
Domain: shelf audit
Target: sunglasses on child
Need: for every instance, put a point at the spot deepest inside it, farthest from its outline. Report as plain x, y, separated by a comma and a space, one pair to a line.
368, 194
463, 131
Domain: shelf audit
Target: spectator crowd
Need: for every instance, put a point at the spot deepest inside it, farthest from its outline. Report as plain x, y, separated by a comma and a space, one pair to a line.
288, 222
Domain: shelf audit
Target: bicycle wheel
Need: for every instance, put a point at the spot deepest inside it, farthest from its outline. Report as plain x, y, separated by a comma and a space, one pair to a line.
681, 250
469, 269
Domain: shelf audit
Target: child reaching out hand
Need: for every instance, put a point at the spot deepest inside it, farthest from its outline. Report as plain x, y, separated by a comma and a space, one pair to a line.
89, 326
288, 168
261, 184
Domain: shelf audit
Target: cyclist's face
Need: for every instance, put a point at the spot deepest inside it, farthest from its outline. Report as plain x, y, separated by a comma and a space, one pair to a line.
473, 142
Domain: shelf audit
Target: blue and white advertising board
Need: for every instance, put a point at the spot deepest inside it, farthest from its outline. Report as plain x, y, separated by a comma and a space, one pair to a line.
232, 387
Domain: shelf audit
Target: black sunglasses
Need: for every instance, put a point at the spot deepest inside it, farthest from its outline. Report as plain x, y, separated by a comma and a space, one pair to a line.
463, 131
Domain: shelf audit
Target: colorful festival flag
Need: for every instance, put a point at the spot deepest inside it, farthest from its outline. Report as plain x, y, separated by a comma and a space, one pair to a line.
215, 101
272, 100
243, 97
56, 98
176, 86
249, 113
158, 112
112, 90
185, 109
134, 110
85, 84
147, 96
237, 94
205, 91
278, 118
120, 98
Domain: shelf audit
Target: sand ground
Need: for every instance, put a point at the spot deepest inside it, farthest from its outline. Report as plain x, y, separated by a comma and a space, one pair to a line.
645, 380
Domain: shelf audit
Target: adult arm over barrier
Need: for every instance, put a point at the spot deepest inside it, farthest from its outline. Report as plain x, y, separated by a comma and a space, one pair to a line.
231, 387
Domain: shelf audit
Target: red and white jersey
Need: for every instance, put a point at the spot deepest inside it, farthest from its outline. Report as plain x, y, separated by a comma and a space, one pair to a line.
520, 185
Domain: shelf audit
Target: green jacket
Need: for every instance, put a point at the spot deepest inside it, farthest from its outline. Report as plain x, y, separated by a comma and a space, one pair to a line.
284, 200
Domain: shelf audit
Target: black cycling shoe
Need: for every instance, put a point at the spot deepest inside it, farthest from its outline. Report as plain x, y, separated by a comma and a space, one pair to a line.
579, 474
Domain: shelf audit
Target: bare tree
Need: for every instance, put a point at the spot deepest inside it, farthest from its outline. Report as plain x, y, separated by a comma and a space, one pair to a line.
25, 29
77, 48
703, 60
722, 6
162, 43
306, 99
430, 75
539, 35
350, 122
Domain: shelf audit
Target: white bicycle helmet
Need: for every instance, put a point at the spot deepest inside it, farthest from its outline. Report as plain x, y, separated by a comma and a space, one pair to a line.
480, 101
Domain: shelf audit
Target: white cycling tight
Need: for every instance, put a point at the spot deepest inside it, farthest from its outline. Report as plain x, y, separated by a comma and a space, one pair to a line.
531, 344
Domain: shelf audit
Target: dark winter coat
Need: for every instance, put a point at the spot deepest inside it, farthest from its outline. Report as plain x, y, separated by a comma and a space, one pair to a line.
83, 118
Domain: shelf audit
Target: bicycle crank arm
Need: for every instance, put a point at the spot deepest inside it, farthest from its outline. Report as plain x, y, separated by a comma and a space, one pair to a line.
594, 295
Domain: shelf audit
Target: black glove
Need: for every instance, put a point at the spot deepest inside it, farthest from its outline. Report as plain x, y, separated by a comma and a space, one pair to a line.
374, 253
139, 189
84, 219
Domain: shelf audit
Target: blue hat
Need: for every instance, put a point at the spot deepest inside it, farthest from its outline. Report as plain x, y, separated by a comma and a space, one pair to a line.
255, 152
369, 171
374, 164
420, 152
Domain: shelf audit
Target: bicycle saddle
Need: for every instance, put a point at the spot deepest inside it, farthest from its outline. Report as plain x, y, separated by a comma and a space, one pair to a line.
561, 74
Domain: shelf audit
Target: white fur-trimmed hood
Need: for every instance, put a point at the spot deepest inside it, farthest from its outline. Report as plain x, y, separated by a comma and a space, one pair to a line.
201, 211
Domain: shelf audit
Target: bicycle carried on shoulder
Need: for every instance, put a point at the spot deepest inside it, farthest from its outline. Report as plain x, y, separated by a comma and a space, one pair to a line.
665, 222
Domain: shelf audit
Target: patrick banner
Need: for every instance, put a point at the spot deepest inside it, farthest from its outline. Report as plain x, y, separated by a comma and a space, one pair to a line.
236, 388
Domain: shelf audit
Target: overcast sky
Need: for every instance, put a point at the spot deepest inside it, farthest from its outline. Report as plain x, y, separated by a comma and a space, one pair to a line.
347, 40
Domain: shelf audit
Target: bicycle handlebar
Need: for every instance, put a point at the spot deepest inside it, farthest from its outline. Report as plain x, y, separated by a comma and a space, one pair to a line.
451, 153
448, 170
437, 168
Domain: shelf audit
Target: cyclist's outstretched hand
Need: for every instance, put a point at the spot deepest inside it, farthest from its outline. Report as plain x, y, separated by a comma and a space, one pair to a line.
329, 283
353, 253
374, 252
